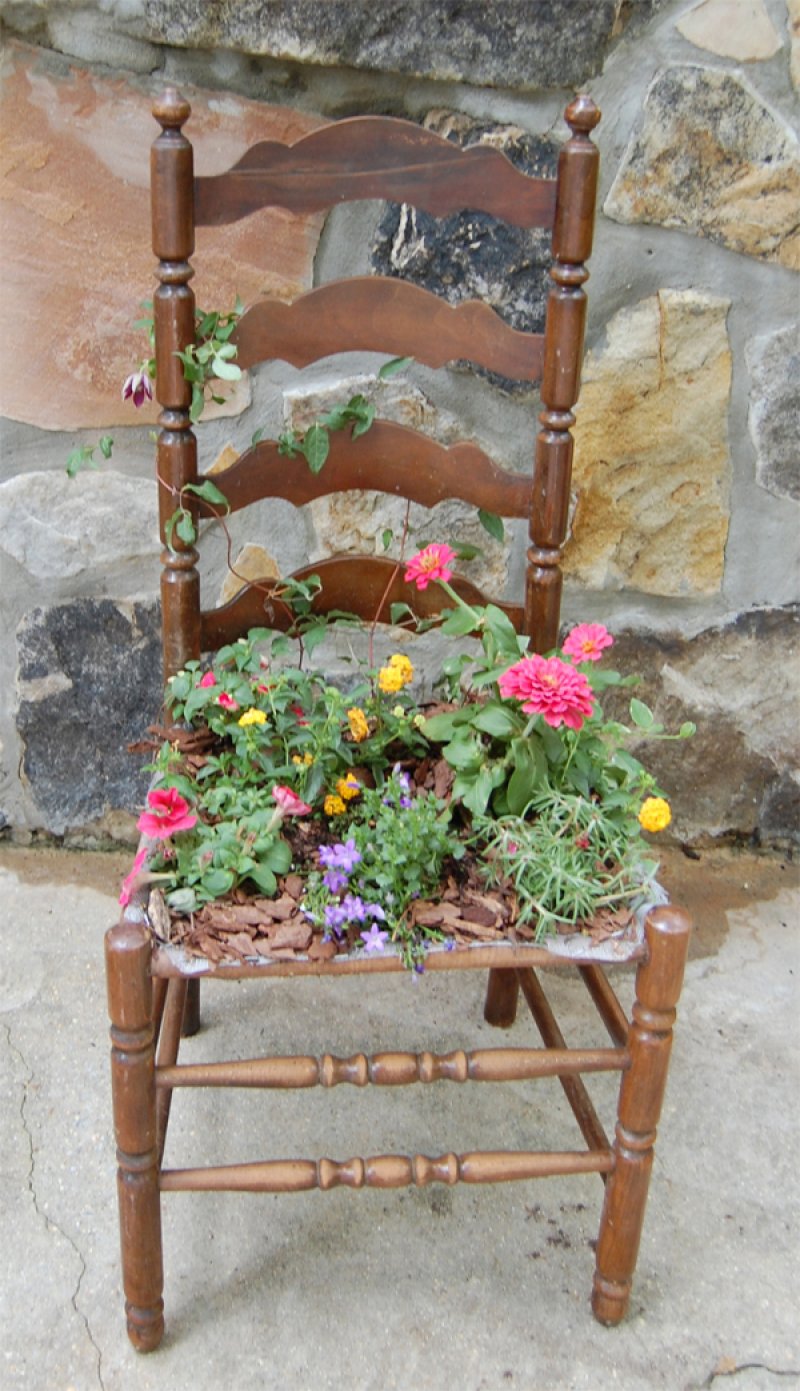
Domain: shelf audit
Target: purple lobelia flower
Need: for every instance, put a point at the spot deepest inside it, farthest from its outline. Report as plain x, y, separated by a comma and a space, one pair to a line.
374, 939
334, 879
340, 856
355, 908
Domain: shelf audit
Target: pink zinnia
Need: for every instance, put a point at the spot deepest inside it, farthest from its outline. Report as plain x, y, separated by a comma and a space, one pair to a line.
167, 812
586, 642
138, 388
227, 702
433, 563
288, 802
129, 882
208, 680
551, 688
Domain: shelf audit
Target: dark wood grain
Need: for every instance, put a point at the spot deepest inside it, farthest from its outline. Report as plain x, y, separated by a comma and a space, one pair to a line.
389, 458
375, 157
374, 313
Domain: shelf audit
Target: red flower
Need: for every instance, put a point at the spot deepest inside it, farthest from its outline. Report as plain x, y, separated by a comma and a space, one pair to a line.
138, 388
129, 882
208, 680
586, 642
299, 712
227, 702
167, 812
288, 802
550, 688
433, 563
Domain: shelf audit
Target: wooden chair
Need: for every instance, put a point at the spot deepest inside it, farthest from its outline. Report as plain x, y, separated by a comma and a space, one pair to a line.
151, 997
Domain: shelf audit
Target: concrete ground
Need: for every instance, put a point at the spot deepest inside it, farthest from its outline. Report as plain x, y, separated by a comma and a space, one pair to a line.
432, 1289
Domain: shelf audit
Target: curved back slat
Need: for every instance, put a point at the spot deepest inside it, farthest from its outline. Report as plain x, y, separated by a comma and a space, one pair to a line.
371, 313
389, 458
366, 586
374, 157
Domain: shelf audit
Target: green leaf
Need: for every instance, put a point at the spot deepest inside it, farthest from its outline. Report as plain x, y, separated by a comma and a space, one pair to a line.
440, 727
226, 371
106, 446
198, 401
458, 623
497, 720
641, 714
182, 900
396, 364
364, 420
278, 857
315, 447
492, 523
463, 752
687, 729
264, 879
400, 611
476, 797
185, 527
503, 632
209, 492
257, 436
218, 881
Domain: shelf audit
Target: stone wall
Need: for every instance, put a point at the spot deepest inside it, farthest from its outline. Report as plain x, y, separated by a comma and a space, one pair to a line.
684, 534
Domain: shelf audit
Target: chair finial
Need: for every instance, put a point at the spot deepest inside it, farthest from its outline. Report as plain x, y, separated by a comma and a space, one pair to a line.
171, 110
582, 115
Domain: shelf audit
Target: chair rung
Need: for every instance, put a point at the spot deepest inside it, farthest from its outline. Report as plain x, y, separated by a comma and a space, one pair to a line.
394, 1069
385, 1171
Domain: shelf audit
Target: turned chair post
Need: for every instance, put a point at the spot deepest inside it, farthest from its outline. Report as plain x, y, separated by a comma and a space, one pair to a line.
658, 986
561, 378
130, 1007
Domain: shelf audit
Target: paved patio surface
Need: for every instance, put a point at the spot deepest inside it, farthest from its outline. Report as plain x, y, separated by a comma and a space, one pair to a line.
427, 1290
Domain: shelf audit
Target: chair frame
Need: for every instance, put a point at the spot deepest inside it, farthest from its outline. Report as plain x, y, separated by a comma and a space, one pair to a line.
153, 995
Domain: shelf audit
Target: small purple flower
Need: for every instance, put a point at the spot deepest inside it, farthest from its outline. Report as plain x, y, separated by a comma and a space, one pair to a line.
354, 908
375, 939
374, 910
138, 388
450, 944
340, 856
402, 778
335, 917
406, 802
334, 880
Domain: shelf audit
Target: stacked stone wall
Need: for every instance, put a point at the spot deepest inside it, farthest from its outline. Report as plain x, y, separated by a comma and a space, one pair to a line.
684, 526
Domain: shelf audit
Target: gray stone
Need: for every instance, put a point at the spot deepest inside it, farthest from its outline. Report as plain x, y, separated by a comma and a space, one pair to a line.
774, 418
732, 776
471, 255
57, 527
89, 680
710, 158
554, 43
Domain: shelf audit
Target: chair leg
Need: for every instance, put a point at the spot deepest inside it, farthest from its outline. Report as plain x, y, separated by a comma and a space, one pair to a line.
658, 987
130, 1006
502, 992
191, 1010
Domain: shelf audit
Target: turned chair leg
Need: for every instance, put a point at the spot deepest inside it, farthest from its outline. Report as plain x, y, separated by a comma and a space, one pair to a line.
130, 1006
191, 1010
658, 987
502, 992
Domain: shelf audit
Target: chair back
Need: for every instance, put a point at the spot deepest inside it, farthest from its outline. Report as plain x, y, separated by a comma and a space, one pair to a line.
372, 157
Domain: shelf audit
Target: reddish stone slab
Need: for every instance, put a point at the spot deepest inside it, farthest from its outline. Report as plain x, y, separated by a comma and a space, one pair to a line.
75, 233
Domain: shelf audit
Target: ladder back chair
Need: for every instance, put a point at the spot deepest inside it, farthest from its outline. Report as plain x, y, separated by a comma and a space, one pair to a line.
153, 998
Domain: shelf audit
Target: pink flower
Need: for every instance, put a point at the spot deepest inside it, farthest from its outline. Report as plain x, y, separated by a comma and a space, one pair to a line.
129, 882
288, 802
208, 680
586, 642
548, 687
138, 388
167, 812
227, 702
433, 563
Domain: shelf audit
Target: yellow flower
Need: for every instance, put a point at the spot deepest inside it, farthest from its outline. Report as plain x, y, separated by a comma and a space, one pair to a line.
402, 664
655, 814
390, 680
253, 716
306, 759
348, 788
357, 721
399, 712
333, 806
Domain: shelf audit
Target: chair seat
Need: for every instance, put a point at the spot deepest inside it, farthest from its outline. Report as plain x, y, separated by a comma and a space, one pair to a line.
193, 953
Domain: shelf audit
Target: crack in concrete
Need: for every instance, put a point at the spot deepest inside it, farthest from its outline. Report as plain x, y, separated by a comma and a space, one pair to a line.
48, 1221
748, 1367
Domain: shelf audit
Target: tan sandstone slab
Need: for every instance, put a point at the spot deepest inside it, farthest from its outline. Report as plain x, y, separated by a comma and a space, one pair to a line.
740, 29
652, 467
710, 158
793, 21
75, 233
